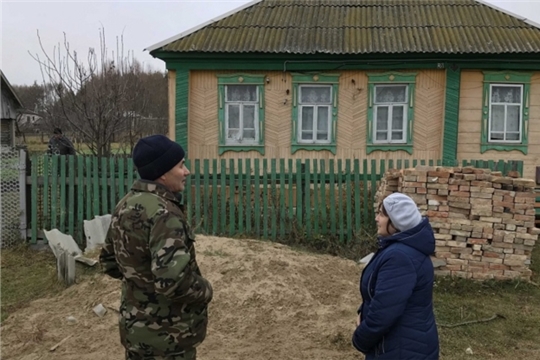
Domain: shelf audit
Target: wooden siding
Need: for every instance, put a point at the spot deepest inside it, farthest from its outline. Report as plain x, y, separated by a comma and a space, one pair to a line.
351, 126
470, 117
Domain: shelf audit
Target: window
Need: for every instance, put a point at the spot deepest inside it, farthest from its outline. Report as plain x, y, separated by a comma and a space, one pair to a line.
390, 111
241, 113
314, 112
315, 106
505, 113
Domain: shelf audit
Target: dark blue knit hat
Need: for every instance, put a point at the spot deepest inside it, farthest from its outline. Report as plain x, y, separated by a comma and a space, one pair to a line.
155, 155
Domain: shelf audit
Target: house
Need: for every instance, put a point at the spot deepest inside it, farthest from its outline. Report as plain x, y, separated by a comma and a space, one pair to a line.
29, 118
358, 79
10, 108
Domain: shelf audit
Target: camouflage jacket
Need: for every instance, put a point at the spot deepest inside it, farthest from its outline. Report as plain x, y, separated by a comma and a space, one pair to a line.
164, 296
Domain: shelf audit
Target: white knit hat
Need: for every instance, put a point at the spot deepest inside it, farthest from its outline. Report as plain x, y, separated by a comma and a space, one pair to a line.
402, 211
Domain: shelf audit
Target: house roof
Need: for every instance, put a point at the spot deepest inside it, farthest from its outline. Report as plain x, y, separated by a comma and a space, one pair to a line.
361, 27
6, 85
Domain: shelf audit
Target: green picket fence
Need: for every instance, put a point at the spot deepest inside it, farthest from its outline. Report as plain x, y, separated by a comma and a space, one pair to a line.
268, 198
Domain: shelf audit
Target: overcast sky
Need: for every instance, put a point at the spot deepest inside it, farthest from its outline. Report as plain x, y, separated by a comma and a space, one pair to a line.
142, 24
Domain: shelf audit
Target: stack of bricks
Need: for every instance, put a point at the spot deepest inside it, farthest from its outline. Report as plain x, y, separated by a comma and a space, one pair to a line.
483, 221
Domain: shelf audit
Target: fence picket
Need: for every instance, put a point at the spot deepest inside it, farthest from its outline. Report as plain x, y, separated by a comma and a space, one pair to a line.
34, 193
121, 177
241, 197
206, 197
223, 196
273, 197
340, 200
316, 194
282, 198
71, 194
257, 214
232, 205
104, 187
63, 203
248, 198
349, 225
331, 189
80, 196
215, 212
95, 179
265, 198
307, 196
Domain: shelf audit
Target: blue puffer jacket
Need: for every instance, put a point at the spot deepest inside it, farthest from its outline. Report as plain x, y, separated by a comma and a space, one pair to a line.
397, 320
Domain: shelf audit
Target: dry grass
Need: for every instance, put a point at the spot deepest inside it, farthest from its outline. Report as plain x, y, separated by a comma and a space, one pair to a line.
27, 275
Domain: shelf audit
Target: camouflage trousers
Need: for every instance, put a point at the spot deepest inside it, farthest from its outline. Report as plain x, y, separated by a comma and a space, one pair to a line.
186, 355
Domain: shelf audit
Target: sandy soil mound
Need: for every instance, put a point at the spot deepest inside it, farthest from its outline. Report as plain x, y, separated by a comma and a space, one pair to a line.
270, 303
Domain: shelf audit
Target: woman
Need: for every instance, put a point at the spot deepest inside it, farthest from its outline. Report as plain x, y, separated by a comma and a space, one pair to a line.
396, 320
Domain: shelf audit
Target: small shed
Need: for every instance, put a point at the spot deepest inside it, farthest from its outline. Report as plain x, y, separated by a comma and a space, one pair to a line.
10, 108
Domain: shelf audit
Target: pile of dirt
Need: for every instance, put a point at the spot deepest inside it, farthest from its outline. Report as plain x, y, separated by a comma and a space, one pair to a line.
270, 302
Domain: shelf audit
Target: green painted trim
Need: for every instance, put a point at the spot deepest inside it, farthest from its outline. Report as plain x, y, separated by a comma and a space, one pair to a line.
236, 79
506, 77
410, 114
315, 78
308, 147
350, 58
509, 147
310, 79
181, 107
398, 147
242, 79
385, 79
391, 77
268, 63
223, 149
451, 115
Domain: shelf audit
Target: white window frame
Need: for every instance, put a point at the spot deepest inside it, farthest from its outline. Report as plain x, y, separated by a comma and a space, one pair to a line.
315, 107
404, 105
241, 104
520, 112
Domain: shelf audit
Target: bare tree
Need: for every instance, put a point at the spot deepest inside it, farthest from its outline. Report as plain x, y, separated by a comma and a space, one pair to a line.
92, 96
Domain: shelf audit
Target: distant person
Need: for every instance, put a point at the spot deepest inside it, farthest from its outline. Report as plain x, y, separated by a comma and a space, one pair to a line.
396, 320
151, 248
59, 144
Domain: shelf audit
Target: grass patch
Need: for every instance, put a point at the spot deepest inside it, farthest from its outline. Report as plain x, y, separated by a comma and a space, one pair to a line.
28, 275
514, 336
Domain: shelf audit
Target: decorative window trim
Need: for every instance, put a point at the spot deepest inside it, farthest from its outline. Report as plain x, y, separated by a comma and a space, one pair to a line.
240, 79
505, 78
388, 78
314, 79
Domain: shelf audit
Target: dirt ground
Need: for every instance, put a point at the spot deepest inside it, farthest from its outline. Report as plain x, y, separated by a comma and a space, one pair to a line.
270, 302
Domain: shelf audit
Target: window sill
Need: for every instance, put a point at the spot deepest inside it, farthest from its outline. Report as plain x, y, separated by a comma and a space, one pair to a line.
313, 147
503, 147
239, 148
397, 147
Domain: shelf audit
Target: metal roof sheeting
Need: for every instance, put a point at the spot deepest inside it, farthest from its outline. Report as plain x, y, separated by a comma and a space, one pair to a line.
362, 27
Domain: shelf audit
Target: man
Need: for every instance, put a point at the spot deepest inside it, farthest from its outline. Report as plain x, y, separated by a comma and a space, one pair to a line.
149, 245
59, 144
